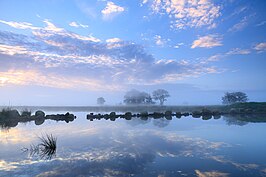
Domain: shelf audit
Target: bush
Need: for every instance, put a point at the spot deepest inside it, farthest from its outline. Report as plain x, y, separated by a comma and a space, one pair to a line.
26, 113
8, 113
39, 114
112, 114
206, 112
144, 114
168, 113
128, 115
196, 114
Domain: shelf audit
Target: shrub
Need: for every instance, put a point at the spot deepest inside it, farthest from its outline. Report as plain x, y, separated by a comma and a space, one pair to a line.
26, 113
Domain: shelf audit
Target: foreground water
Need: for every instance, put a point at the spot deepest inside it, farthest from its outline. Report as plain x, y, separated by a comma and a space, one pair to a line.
154, 147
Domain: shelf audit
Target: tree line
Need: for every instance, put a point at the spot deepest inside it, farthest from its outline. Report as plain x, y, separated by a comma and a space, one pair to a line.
136, 97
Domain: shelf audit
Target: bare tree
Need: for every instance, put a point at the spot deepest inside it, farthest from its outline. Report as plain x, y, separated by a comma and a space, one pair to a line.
234, 97
100, 101
160, 95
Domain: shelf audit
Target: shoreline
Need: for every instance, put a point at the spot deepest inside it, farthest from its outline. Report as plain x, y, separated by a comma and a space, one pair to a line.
258, 107
251, 112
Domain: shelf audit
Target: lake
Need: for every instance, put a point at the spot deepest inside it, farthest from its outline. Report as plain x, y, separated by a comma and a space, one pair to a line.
184, 146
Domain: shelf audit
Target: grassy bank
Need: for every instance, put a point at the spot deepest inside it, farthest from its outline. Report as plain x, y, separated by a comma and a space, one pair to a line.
252, 111
254, 106
258, 107
118, 108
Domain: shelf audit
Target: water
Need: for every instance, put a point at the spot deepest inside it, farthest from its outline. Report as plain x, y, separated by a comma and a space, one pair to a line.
154, 147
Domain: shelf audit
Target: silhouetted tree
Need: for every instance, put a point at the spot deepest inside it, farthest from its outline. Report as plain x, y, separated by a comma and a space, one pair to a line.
160, 95
137, 97
100, 101
148, 99
234, 97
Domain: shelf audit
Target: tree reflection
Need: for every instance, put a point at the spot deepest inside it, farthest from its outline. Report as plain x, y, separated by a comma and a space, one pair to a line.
243, 119
161, 122
138, 121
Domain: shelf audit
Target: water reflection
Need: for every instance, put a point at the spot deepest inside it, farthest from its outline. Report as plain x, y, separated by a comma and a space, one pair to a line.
211, 174
238, 119
161, 122
9, 121
136, 148
132, 153
244, 119
119, 155
46, 149
139, 121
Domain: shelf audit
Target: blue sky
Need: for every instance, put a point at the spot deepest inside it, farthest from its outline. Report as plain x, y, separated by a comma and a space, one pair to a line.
60, 52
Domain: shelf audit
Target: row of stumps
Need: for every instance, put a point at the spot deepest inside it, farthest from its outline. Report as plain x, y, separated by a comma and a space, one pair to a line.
156, 115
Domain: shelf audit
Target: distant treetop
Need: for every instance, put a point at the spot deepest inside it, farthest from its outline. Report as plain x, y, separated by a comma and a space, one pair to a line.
100, 101
160, 95
136, 97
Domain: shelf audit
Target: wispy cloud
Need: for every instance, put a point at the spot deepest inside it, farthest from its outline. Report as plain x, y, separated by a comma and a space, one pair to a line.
19, 25
261, 23
111, 10
113, 40
72, 60
238, 51
189, 73
208, 41
51, 27
12, 50
240, 25
113, 43
213, 58
178, 45
234, 51
160, 41
239, 10
187, 13
48, 31
260, 47
76, 24
32, 77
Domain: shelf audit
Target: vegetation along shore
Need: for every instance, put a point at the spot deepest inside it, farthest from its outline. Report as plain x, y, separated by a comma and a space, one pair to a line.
11, 117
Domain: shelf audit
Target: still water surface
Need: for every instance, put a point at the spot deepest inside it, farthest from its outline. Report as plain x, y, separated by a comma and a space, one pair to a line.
154, 147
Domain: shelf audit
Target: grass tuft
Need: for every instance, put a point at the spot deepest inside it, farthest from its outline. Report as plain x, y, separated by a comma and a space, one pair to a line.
47, 147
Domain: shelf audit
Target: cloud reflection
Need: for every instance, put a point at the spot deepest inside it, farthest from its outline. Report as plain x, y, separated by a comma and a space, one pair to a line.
103, 148
121, 154
211, 174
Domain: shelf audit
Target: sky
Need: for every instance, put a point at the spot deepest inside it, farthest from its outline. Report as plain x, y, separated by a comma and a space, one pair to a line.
70, 52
